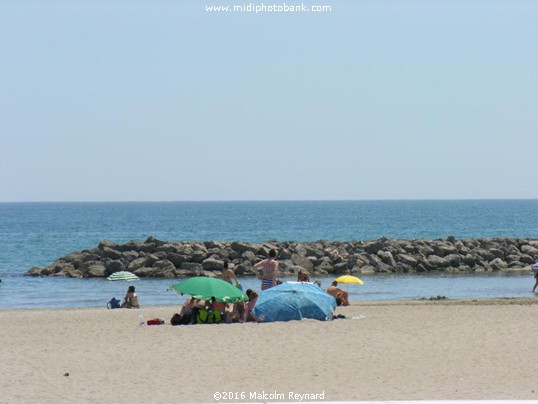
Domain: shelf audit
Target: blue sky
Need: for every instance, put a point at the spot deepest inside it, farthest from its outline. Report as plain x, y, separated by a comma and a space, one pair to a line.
161, 100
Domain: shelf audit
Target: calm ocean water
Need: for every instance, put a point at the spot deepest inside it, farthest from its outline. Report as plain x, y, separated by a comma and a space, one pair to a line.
36, 234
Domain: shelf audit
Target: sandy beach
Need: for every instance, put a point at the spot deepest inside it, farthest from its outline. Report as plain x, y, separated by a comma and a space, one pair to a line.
413, 350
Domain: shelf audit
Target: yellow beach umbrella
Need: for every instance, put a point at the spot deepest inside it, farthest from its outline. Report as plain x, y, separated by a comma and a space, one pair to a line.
349, 279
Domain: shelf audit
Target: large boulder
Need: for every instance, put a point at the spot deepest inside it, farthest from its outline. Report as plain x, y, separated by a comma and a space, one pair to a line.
529, 250
407, 259
199, 256
470, 260
192, 266
107, 244
366, 269
485, 254
438, 262
245, 268
144, 272
497, 253
152, 259
241, 247
61, 268
137, 264
97, 270
163, 265
130, 255
303, 262
83, 267
249, 256
153, 241
35, 271
387, 258
115, 266
176, 258
212, 264
498, 264
454, 260
110, 253
374, 247
527, 259
325, 265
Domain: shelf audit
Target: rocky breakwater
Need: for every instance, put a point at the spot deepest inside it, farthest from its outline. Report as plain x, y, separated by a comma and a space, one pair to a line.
179, 259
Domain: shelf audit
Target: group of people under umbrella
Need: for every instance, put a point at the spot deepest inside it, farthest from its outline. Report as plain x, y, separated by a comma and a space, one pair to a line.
213, 300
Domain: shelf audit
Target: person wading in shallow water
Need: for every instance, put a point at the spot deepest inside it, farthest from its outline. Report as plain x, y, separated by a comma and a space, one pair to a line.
302, 276
229, 275
269, 268
535, 272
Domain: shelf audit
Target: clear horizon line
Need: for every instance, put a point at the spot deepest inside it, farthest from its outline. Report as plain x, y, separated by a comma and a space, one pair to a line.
269, 200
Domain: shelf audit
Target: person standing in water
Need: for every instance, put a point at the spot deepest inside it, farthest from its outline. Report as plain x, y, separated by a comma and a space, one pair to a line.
229, 275
269, 268
534, 268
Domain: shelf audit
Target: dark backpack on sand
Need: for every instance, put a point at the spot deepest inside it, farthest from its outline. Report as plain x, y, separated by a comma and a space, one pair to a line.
180, 320
113, 303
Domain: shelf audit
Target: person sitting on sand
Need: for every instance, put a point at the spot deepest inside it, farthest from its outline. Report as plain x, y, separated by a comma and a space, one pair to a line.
302, 276
249, 306
226, 310
196, 305
185, 314
130, 301
206, 314
188, 305
270, 270
338, 294
229, 313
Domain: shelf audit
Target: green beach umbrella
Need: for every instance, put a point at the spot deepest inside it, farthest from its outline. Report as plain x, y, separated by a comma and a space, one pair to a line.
203, 287
123, 276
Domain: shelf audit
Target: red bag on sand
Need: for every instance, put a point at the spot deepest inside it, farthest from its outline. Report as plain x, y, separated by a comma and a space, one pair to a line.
155, 321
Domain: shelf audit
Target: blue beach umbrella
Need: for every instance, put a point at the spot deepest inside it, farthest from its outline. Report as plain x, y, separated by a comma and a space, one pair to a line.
294, 301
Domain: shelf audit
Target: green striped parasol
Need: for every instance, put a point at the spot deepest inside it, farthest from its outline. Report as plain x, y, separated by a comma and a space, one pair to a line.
123, 276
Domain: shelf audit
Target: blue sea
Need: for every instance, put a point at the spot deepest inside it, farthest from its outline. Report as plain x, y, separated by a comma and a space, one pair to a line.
36, 234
